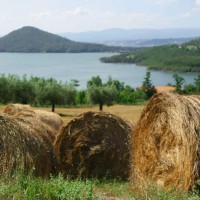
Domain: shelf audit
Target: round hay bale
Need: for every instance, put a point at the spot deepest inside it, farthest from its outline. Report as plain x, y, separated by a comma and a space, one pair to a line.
166, 142
95, 144
20, 148
12, 109
50, 118
51, 122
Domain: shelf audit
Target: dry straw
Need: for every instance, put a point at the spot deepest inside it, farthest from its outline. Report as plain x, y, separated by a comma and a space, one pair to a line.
95, 145
22, 147
12, 109
166, 142
50, 121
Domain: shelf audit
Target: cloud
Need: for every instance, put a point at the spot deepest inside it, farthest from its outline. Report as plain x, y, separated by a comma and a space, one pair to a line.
44, 14
164, 2
78, 11
186, 15
82, 19
198, 2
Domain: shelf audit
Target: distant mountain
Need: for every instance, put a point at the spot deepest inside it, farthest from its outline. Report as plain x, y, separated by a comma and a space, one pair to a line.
30, 39
150, 42
123, 37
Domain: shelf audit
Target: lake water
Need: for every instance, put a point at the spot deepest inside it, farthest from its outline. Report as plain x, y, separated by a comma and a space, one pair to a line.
81, 66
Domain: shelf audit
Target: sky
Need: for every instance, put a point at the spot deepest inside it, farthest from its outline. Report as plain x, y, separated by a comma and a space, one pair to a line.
60, 16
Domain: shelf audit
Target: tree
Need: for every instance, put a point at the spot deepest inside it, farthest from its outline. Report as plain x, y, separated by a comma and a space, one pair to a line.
70, 94
101, 94
190, 89
179, 81
50, 91
119, 85
126, 96
6, 89
148, 87
197, 84
5, 86
81, 97
75, 83
95, 81
24, 91
14, 89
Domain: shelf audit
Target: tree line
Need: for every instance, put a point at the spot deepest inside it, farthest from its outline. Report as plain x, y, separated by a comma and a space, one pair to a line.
39, 91
50, 92
188, 89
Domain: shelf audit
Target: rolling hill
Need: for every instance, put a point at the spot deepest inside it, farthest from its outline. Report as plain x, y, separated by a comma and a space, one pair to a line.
30, 39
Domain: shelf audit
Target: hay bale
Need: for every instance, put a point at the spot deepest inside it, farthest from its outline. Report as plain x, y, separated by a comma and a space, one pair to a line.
166, 142
95, 144
51, 122
21, 148
50, 118
12, 109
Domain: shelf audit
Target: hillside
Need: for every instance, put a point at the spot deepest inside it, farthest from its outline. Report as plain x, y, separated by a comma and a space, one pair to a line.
182, 58
30, 39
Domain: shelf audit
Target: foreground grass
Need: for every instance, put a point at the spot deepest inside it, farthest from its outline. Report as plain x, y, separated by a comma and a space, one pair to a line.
22, 187
30, 188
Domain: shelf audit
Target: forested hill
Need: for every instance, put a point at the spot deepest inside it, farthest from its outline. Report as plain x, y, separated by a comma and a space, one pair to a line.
182, 58
30, 39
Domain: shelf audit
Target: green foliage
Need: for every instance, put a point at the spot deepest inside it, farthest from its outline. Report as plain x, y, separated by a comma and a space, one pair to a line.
197, 84
35, 90
119, 85
130, 96
70, 93
127, 95
113, 91
189, 89
30, 39
123, 58
49, 92
30, 188
179, 81
185, 58
147, 86
95, 81
6, 88
101, 94
81, 97
24, 91
193, 88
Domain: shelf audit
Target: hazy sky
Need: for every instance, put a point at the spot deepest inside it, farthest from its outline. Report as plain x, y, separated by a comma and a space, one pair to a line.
59, 16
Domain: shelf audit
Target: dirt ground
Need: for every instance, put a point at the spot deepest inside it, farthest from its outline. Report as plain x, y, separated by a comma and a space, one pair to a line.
165, 88
127, 112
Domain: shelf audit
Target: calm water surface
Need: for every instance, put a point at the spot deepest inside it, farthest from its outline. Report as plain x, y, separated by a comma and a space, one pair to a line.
80, 66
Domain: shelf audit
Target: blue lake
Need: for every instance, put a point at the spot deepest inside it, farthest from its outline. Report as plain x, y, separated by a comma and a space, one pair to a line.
81, 66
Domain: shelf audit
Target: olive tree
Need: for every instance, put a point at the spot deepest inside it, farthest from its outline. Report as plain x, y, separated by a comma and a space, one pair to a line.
101, 94
51, 92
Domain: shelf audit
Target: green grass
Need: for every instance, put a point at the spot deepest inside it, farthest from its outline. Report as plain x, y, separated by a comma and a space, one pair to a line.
21, 187
28, 187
